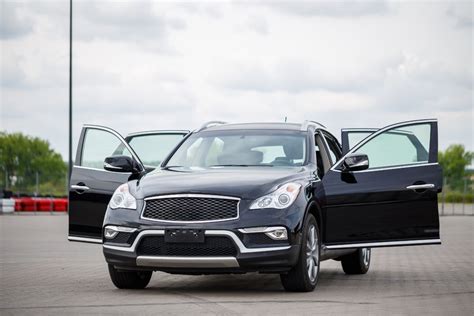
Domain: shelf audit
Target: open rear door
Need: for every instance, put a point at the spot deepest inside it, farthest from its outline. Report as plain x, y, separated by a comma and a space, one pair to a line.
394, 201
91, 185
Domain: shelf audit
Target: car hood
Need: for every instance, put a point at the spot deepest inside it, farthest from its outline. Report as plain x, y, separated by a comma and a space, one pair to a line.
242, 182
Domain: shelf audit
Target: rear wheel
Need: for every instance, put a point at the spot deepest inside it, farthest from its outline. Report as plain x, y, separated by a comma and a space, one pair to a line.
304, 276
357, 262
129, 279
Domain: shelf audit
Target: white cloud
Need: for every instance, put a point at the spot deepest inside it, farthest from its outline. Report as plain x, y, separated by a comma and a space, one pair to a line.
154, 65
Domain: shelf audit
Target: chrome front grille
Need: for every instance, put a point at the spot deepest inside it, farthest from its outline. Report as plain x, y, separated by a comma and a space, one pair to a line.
190, 208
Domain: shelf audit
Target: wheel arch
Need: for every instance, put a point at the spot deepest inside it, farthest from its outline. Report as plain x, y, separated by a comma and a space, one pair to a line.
314, 209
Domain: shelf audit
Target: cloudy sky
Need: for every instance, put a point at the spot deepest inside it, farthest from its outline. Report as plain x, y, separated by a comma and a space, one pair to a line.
156, 65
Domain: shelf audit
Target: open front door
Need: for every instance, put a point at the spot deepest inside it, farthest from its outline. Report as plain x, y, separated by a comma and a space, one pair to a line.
394, 201
352, 136
91, 185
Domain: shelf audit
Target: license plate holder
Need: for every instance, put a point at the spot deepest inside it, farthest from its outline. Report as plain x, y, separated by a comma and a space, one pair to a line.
184, 235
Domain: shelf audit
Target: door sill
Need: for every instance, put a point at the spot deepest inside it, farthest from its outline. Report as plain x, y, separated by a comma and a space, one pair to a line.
85, 239
387, 244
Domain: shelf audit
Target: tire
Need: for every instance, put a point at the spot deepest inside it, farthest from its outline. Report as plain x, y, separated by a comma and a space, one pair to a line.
129, 279
357, 262
303, 277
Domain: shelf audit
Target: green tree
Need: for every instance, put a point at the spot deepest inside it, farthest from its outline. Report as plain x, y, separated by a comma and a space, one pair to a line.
454, 161
24, 157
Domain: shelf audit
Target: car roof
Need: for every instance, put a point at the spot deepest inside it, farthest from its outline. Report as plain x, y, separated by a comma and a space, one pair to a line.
266, 125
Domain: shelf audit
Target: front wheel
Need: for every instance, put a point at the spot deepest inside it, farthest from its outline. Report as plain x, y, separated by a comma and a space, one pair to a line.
357, 262
304, 276
129, 279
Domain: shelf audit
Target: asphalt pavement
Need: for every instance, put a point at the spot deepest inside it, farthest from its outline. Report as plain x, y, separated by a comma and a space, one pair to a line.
41, 273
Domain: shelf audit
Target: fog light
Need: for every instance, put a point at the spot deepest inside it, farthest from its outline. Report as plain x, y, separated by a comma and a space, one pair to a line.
110, 232
278, 234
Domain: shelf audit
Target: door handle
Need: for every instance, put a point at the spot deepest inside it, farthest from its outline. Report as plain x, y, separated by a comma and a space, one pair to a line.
79, 187
421, 186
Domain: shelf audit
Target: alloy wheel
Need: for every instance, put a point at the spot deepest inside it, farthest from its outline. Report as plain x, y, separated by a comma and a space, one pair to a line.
366, 256
312, 253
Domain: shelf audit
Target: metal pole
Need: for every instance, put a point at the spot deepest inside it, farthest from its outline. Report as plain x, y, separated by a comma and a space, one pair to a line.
464, 195
70, 97
37, 184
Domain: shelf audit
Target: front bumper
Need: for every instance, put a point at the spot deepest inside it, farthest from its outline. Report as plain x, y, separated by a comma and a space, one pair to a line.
274, 258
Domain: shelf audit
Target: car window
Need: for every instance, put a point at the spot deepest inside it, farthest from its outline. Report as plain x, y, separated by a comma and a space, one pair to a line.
153, 148
355, 137
98, 145
241, 147
399, 146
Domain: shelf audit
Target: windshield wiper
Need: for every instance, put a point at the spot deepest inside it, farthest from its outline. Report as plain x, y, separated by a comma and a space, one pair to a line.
235, 165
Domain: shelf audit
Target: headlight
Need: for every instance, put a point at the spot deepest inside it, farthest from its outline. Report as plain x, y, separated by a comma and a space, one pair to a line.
281, 198
123, 199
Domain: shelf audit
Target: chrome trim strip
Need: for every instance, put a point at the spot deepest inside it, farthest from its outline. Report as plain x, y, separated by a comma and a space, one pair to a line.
84, 239
423, 164
227, 233
98, 169
206, 196
254, 230
151, 232
122, 229
375, 134
387, 244
79, 187
187, 262
421, 186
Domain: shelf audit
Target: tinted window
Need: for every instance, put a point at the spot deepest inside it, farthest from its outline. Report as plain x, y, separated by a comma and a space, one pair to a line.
400, 146
99, 144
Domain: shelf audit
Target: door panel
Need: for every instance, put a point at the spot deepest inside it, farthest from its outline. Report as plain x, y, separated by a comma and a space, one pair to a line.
394, 202
91, 185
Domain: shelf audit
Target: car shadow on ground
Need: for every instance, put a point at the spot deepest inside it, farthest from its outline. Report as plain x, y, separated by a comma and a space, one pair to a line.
249, 284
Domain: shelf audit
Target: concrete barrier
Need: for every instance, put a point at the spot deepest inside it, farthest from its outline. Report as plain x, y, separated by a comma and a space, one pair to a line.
7, 206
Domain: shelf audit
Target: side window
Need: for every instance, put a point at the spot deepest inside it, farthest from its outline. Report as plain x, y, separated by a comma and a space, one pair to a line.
153, 148
399, 146
99, 144
357, 137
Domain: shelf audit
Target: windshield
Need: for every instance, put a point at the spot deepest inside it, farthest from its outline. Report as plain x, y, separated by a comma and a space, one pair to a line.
241, 148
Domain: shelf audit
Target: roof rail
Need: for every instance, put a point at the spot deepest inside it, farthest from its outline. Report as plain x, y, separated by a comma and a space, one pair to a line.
308, 123
209, 124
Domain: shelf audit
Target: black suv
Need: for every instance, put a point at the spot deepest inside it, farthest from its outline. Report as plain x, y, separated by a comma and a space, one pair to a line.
266, 197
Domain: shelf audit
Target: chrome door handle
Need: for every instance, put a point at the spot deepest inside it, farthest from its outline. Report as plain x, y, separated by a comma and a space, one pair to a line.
421, 186
79, 187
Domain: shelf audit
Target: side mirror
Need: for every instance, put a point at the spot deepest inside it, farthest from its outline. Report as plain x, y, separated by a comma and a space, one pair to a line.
356, 162
121, 164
